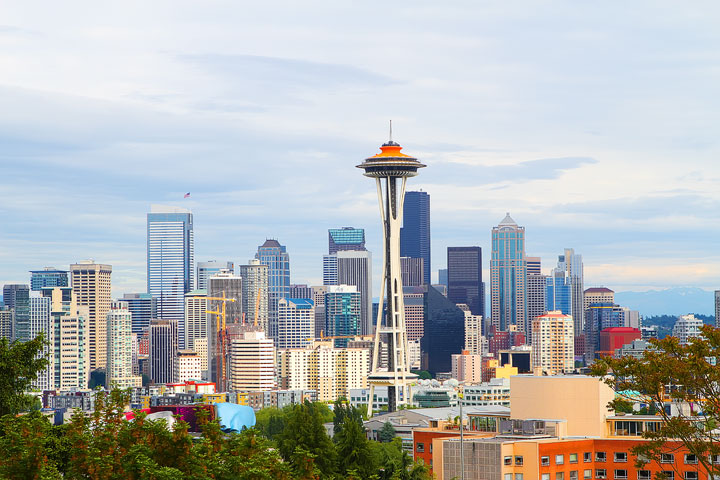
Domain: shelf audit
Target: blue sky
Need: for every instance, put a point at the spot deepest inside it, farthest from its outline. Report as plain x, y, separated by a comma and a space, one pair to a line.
594, 125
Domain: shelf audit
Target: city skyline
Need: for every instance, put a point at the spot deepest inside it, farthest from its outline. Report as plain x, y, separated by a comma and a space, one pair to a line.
597, 136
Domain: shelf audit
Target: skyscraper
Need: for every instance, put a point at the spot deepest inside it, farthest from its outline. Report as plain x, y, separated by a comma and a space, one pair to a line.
300, 291
41, 322
255, 293
91, 284
342, 312
464, 277
163, 350
345, 238
252, 362
275, 256
412, 272
444, 332
508, 275
48, 277
598, 317
387, 168
569, 272
354, 267
536, 286
229, 284
296, 322
170, 259
119, 371
143, 308
17, 299
207, 269
415, 231
553, 343
70, 338
196, 317
7, 320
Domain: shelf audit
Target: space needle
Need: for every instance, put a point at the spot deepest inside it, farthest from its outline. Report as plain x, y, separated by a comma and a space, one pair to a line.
390, 168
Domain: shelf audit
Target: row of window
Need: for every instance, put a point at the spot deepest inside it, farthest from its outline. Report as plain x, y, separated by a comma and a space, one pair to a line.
601, 474
618, 457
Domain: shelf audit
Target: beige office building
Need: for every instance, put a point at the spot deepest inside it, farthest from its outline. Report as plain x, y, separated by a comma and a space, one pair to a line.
553, 343
332, 372
91, 284
187, 366
467, 367
196, 321
252, 362
597, 295
474, 340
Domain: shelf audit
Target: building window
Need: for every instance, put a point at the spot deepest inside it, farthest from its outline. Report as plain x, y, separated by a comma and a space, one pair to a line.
667, 458
420, 447
600, 456
644, 475
669, 474
507, 460
545, 476
560, 476
544, 461
518, 460
573, 458
573, 475
600, 473
587, 474
508, 476
621, 457
587, 457
621, 474
691, 459
518, 476
559, 459
691, 475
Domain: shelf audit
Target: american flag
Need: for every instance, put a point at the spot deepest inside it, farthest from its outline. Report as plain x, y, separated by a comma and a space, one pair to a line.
186, 195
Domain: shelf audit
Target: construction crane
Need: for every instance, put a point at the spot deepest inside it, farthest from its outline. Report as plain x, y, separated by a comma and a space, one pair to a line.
221, 339
323, 338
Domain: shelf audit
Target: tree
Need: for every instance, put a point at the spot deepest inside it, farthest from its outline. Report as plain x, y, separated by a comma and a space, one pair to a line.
353, 449
423, 374
387, 433
305, 433
681, 375
20, 364
343, 410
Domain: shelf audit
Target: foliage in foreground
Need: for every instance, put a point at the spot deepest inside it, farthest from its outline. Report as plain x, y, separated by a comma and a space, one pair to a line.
685, 376
19, 367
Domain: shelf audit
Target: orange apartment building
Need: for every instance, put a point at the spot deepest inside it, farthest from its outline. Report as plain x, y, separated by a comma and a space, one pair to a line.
580, 439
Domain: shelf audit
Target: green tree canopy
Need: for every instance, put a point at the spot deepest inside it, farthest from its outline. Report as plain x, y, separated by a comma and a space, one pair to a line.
387, 433
305, 433
20, 364
674, 374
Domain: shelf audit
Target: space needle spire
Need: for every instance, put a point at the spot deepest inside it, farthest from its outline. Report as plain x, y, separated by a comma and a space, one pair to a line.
390, 168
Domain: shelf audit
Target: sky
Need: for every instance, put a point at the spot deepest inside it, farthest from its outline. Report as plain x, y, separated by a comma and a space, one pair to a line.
594, 124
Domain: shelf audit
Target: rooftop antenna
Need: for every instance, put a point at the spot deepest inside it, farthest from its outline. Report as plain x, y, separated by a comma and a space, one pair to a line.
390, 131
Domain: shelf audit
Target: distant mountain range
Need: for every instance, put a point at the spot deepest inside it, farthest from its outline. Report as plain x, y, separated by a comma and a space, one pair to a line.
671, 301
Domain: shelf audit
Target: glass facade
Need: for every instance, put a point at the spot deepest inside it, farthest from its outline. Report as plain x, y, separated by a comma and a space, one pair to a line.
444, 332
342, 313
275, 256
48, 277
558, 294
346, 238
17, 297
508, 276
464, 278
415, 232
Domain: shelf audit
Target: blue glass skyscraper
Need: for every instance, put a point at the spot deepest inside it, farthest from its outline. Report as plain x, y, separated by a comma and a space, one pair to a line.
342, 312
415, 232
275, 256
508, 275
48, 277
170, 259
17, 297
558, 293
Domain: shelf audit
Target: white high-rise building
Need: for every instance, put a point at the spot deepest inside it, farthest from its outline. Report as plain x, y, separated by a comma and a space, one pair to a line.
252, 362
332, 372
255, 293
474, 339
119, 369
200, 346
70, 339
196, 317
41, 321
170, 260
553, 346
466, 367
687, 327
296, 322
354, 267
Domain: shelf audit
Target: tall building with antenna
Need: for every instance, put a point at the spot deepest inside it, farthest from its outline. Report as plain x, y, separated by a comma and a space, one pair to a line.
390, 169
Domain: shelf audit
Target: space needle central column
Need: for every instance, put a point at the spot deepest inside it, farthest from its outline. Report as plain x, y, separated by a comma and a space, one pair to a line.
390, 169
